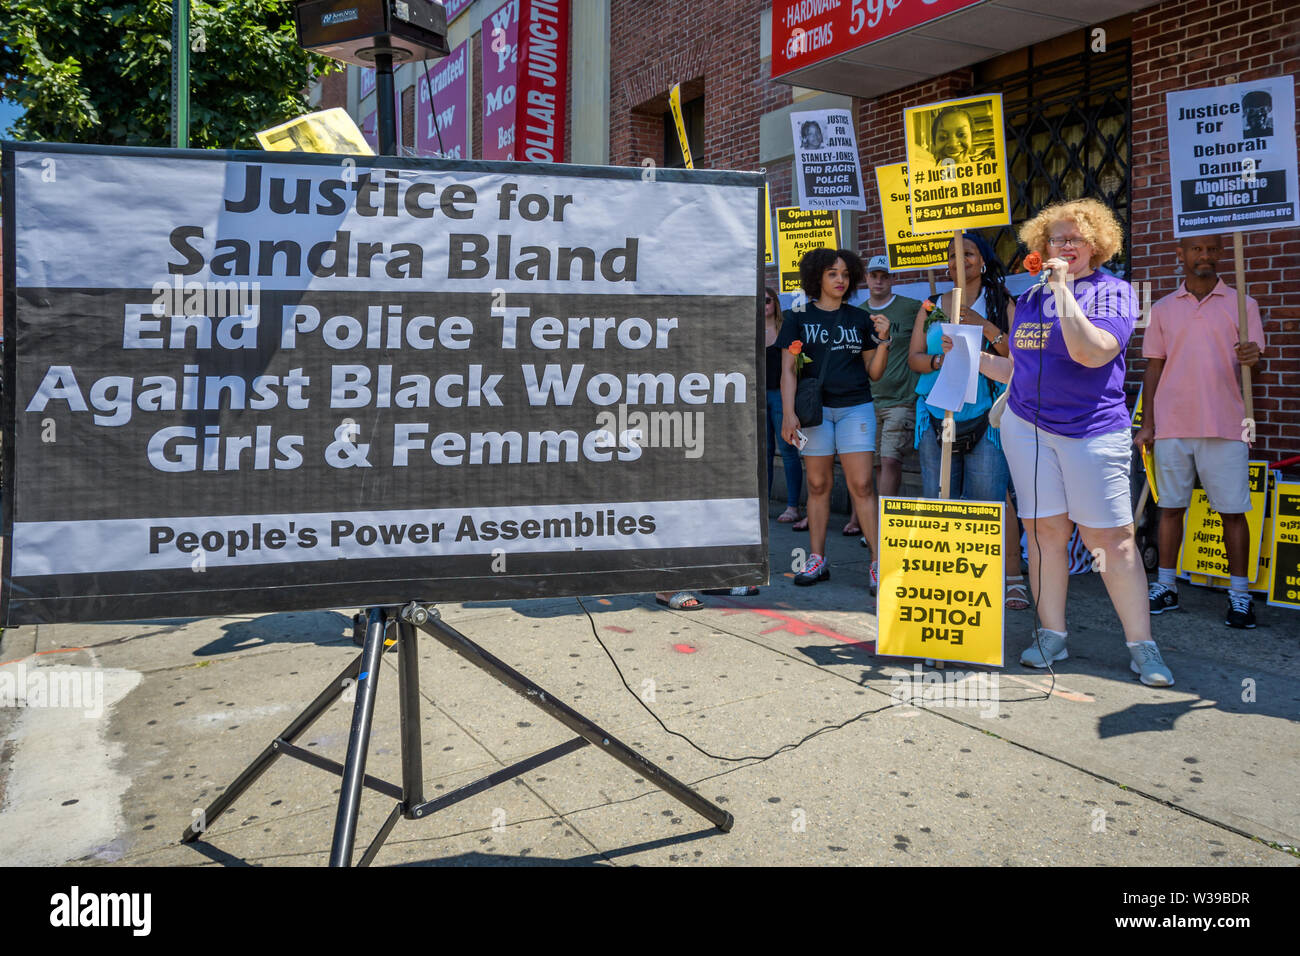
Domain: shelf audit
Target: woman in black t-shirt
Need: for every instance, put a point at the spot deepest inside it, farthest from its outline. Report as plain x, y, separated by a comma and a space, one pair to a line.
828, 330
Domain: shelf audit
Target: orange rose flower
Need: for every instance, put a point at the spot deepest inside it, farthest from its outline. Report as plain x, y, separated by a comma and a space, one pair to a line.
1033, 263
796, 347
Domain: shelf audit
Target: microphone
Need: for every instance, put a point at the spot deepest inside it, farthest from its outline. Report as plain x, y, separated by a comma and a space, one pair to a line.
1034, 266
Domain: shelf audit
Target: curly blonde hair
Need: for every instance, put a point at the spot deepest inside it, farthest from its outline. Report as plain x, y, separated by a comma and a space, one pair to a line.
1097, 224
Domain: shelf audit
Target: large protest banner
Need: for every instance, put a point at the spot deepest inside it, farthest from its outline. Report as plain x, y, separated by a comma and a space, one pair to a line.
247, 381
905, 250
797, 231
941, 571
442, 125
826, 169
1284, 590
1203, 551
1232, 157
957, 165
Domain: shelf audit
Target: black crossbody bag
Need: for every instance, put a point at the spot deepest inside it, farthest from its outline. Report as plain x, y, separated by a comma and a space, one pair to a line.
808, 396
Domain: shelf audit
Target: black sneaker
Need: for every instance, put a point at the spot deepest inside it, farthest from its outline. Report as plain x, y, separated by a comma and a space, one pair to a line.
1162, 598
1241, 611
815, 570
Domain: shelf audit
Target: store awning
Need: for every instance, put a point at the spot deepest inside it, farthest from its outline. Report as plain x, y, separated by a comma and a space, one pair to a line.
867, 48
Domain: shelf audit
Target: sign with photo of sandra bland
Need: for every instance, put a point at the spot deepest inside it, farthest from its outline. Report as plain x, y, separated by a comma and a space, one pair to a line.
242, 382
1232, 157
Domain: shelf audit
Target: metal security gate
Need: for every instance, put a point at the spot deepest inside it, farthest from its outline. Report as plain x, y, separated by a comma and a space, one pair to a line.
1067, 126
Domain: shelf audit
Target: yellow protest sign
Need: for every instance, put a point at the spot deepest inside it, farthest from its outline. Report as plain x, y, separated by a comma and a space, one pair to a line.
675, 104
941, 570
767, 225
328, 131
1203, 551
1148, 454
797, 231
905, 250
957, 165
1284, 589
1264, 578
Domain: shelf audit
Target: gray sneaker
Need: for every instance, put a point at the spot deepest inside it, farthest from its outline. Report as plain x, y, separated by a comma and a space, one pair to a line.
1149, 665
1048, 646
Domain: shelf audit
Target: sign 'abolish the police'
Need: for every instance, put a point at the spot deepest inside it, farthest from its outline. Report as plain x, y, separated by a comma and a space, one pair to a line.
244, 382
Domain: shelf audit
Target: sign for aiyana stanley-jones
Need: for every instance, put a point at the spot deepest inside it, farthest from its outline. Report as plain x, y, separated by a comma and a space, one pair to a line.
246, 381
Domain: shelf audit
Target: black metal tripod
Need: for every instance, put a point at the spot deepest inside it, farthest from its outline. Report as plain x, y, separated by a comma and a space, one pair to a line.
364, 673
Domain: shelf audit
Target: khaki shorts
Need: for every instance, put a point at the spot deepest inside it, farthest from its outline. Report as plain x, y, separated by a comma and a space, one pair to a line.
1221, 463
895, 431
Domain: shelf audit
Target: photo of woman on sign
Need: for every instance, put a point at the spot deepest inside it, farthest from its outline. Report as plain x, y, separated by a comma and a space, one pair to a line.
959, 134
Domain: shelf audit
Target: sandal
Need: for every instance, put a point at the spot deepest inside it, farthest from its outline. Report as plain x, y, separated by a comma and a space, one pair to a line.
788, 515
1017, 598
851, 530
800, 525
681, 601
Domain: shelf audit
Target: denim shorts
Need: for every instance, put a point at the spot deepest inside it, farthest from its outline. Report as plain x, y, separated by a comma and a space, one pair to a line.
842, 431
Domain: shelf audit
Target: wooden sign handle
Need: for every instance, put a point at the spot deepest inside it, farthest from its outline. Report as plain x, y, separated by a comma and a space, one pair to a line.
945, 462
1239, 259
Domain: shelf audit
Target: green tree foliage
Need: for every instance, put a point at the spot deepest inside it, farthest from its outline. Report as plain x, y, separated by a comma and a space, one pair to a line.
90, 71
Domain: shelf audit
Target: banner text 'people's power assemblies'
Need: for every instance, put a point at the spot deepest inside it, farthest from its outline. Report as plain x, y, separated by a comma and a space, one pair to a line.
247, 382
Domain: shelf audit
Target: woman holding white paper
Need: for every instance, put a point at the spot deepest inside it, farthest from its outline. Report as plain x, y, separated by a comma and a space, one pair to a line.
979, 470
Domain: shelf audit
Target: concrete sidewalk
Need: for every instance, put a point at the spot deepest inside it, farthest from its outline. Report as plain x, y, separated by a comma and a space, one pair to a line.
1105, 771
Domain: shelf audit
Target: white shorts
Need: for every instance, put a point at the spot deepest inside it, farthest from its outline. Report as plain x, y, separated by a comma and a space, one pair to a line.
1222, 464
1086, 478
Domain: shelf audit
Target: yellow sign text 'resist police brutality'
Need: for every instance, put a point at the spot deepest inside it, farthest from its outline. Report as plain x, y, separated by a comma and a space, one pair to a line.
1203, 551
905, 250
797, 231
941, 572
1284, 590
957, 165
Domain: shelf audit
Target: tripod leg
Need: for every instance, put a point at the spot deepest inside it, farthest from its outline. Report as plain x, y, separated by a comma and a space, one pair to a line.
507, 675
408, 685
354, 770
267, 757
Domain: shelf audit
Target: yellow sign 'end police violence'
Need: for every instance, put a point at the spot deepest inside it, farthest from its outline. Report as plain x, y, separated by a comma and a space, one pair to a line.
941, 571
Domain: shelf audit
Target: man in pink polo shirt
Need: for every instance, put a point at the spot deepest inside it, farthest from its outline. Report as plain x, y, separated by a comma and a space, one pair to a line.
1194, 414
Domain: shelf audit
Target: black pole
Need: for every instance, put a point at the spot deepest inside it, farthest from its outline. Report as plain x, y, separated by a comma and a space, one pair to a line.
354, 772
387, 115
408, 691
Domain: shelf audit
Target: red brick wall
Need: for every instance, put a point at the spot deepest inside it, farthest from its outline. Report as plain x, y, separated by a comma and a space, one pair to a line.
880, 142
654, 45
334, 90
1184, 44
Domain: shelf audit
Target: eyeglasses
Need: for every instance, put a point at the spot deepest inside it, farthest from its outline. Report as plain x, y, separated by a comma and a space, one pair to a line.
1072, 241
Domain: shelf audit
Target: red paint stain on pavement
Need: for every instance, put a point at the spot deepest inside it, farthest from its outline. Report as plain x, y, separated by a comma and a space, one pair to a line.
616, 629
605, 601
683, 649
57, 650
794, 625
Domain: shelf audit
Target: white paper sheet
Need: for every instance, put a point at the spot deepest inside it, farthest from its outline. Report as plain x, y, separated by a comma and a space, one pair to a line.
959, 375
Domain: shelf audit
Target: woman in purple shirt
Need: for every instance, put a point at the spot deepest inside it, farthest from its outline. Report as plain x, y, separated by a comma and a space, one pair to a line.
1065, 431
